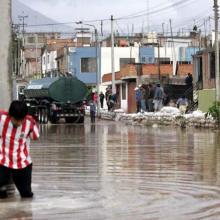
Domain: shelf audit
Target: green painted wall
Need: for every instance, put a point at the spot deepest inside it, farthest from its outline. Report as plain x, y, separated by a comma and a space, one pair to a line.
206, 98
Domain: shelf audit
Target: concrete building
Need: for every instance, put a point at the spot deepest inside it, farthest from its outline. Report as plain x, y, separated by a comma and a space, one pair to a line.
126, 80
31, 66
50, 52
5, 61
82, 61
204, 77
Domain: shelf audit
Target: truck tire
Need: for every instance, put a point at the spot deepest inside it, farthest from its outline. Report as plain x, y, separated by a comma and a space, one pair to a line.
54, 119
81, 120
71, 119
40, 116
44, 116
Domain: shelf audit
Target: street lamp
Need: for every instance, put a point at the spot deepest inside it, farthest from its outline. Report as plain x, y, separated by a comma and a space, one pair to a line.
97, 64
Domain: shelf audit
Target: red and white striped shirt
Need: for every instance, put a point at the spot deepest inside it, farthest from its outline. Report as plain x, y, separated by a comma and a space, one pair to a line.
15, 142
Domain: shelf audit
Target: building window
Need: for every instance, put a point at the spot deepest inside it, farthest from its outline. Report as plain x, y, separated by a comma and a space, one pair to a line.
31, 40
48, 58
125, 61
163, 60
88, 65
143, 60
146, 59
150, 60
184, 62
41, 39
44, 61
123, 91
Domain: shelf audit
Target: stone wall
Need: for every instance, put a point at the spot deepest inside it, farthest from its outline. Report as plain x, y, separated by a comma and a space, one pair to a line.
169, 116
168, 120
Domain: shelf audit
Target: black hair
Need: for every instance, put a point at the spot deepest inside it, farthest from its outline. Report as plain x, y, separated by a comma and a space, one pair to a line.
18, 110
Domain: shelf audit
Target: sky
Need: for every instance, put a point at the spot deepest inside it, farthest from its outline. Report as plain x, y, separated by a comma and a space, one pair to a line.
131, 15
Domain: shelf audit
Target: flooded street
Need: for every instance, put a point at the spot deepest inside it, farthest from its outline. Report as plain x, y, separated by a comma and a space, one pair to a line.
113, 171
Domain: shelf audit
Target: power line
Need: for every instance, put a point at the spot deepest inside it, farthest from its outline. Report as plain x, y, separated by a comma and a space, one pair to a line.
22, 18
156, 9
164, 8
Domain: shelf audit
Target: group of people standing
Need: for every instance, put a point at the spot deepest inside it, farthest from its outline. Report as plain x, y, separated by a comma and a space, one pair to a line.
150, 98
110, 98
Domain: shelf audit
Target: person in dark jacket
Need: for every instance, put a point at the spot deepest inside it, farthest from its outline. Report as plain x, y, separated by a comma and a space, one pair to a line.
151, 98
101, 98
189, 79
138, 97
158, 98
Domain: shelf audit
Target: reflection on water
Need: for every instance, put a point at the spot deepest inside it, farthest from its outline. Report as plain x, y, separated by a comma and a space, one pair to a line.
111, 171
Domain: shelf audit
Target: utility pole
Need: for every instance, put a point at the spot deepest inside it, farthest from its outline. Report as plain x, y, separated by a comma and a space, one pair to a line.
158, 61
97, 48
112, 56
174, 53
148, 16
163, 29
217, 80
22, 19
102, 28
36, 54
98, 63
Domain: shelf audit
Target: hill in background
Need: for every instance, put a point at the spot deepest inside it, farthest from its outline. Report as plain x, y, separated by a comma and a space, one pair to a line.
35, 18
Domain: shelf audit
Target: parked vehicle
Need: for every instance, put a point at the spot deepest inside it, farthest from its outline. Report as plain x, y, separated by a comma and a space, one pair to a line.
50, 99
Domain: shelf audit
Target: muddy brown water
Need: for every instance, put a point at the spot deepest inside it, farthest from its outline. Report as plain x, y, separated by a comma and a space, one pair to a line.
113, 171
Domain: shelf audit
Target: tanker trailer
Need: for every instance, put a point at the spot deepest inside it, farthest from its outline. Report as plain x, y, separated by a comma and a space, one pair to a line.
50, 99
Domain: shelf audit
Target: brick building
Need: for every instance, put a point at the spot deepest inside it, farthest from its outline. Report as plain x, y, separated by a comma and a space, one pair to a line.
204, 75
127, 79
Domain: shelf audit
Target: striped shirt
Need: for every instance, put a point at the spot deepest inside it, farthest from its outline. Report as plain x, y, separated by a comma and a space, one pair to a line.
15, 141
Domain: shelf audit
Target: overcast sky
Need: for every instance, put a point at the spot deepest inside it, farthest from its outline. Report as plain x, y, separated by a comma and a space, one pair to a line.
183, 13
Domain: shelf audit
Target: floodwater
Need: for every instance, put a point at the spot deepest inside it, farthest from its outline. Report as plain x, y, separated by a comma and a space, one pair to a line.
113, 171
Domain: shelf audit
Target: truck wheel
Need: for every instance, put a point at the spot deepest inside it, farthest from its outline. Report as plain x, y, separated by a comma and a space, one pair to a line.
81, 120
44, 116
71, 119
40, 116
53, 118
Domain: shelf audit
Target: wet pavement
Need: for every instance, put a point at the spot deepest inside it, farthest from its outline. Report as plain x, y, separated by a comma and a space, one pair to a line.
113, 171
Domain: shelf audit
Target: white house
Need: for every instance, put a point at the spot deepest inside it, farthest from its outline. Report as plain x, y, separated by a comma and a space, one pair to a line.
49, 62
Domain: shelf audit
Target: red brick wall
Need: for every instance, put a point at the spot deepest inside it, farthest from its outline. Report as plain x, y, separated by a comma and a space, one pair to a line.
108, 77
151, 69
183, 69
131, 97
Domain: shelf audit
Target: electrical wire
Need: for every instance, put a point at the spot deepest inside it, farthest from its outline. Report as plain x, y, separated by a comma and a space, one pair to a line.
159, 10
155, 11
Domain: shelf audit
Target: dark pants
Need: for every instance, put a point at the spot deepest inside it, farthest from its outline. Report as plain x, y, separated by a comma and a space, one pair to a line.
92, 116
138, 104
21, 178
150, 105
101, 102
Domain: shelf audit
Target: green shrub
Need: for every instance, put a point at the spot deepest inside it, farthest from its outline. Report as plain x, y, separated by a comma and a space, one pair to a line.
214, 111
